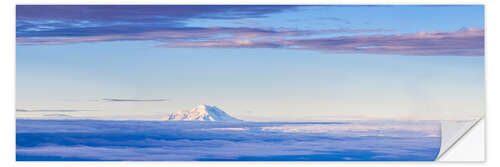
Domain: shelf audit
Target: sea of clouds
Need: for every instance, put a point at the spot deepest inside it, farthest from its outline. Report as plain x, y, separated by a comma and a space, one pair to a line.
96, 140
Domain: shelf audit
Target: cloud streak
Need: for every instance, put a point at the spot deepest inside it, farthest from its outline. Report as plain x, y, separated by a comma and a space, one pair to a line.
57, 115
50, 110
465, 42
171, 36
134, 100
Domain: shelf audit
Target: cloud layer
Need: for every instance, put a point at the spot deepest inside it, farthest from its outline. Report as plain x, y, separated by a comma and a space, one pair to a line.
182, 141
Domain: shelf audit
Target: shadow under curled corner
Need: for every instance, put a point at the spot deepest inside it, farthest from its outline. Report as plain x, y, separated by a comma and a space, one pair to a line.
453, 131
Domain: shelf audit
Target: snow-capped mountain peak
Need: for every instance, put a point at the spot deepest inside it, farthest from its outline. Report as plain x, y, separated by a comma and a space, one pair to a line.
202, 113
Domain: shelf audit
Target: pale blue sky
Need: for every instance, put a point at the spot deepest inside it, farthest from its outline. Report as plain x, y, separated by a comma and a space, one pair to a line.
256, 82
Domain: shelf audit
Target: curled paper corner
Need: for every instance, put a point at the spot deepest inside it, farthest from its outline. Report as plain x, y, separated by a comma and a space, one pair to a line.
452, 131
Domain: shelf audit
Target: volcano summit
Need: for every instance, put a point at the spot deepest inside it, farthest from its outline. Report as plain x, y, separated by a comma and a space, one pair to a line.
202, 113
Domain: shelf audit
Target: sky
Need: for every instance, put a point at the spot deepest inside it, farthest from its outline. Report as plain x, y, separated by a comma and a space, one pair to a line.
257, 63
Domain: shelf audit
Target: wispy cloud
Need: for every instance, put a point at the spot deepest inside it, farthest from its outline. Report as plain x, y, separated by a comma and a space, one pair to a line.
56, 115
464, 42
62, 24
141, 13
134, 100
50, 110
172, 36
225, 44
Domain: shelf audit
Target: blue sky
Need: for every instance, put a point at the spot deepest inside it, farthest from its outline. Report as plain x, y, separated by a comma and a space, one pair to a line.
278, 63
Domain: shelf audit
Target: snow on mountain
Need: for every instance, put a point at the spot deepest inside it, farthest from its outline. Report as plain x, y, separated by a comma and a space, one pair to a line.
202, 113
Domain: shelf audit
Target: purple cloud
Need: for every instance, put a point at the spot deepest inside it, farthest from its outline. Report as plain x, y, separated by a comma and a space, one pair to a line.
94, 20
144, 12
178, 37
56, 115
69, 24
226, 44
465, 42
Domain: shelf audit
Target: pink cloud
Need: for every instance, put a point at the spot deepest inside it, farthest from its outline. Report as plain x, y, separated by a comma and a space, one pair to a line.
173, 35
465, 42
225, 44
